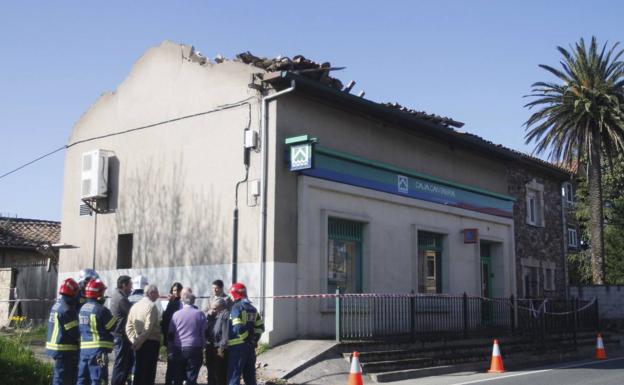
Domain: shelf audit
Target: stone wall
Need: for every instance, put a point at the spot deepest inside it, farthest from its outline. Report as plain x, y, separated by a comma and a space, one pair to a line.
5, 293
542, 246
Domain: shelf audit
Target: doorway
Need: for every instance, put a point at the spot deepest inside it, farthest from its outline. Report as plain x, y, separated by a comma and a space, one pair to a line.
486, 281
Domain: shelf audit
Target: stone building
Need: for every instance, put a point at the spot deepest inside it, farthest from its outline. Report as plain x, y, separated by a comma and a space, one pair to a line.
544, 228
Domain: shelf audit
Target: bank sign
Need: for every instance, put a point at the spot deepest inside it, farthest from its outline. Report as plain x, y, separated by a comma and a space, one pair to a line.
344, 168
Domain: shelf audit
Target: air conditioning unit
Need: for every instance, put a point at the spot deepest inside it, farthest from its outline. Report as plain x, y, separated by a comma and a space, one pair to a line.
94, 181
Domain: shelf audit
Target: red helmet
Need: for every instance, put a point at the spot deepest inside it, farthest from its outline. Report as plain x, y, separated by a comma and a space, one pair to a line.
95, 289
69, 287
238, 291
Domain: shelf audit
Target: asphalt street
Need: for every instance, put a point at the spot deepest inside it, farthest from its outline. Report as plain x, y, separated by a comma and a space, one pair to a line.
607, 372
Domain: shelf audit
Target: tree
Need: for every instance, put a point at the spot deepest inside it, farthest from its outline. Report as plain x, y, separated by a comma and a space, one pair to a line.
612, 185
581, 120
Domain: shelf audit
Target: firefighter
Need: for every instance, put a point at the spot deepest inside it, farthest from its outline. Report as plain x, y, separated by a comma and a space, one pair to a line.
63, 335
84, 277
96, 340
245, 329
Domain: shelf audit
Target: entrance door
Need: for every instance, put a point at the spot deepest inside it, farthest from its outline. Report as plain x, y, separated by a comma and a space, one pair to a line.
486, 281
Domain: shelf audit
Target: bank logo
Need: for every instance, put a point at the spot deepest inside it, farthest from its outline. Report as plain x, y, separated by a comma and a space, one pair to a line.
403, 184
301, 157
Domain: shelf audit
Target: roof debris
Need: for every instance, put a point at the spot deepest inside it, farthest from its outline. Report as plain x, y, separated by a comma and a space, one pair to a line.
298, 64
441, 120
321, 73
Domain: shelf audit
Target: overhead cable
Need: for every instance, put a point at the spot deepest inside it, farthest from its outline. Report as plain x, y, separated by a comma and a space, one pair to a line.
217, 109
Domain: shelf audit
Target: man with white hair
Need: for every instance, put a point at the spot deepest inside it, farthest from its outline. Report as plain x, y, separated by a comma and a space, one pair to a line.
187, 339
143, 331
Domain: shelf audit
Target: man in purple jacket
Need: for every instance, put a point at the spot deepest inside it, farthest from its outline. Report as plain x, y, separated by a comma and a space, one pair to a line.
187, 339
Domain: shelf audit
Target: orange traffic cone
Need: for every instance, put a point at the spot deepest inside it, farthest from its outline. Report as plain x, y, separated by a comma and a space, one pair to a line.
355, 374
497, 361
600, 350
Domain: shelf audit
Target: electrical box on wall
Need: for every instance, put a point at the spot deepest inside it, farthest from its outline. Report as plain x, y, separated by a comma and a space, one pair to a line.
94, 175
254, 187
251, 139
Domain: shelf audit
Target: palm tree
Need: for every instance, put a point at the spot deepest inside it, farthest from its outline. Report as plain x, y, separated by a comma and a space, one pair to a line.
581, 121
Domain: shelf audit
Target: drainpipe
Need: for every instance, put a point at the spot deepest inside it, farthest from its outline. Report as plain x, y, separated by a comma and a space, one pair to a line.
264, 143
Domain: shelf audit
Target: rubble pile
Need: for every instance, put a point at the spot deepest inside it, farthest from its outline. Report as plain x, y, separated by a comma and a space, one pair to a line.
298, 64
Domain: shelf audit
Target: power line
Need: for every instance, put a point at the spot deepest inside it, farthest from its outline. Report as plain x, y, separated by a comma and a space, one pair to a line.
32, 161
219, 108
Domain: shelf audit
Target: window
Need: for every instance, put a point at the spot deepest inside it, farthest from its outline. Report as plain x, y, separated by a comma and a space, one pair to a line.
572, 239
549, 283
568, 193
429, 262
124, 251
344, 262
535, 204
531, 282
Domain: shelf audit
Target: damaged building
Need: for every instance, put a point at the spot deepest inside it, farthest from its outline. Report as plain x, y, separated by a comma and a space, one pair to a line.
271, 172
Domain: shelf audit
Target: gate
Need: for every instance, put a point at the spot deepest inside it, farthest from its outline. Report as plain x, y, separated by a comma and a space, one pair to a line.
35, 283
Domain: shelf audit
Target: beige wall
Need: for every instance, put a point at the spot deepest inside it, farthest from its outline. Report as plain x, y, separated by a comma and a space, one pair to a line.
175, 185
390, 248
372, 140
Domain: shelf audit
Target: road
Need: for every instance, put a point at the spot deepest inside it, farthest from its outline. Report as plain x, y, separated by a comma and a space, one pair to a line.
607, 372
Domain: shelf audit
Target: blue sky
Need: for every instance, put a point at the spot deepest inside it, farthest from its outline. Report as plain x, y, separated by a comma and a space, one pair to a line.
469, 60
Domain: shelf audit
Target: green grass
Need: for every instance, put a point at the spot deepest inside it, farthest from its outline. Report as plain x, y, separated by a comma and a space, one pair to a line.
18, 364
262, 348
29, 336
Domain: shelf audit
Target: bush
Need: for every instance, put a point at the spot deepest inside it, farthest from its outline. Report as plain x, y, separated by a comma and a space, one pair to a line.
18, 364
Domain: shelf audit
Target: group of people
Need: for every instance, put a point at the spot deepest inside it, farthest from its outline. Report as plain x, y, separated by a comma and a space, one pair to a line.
82, 331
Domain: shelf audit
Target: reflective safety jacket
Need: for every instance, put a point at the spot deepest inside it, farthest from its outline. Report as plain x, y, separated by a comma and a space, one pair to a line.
96, 323
246, 325
63, 334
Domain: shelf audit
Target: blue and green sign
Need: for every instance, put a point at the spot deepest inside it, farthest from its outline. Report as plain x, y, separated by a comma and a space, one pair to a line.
344, 168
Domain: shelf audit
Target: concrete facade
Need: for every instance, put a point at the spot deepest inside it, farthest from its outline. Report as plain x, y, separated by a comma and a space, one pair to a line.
174, 129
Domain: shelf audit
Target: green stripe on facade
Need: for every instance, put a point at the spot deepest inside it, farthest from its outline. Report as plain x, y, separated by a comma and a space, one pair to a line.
296, 139
406, 172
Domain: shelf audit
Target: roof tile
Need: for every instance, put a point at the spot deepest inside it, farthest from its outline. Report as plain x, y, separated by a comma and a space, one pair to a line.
28, 233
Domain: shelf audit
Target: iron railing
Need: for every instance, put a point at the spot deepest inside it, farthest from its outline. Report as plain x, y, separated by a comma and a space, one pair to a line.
420, 317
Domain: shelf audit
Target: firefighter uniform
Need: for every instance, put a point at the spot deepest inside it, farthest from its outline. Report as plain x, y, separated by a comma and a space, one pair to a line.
63, 340
246, 327
96, 341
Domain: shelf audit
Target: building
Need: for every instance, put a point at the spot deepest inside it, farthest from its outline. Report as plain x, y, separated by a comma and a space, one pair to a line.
544, 226
396, 200
28, 266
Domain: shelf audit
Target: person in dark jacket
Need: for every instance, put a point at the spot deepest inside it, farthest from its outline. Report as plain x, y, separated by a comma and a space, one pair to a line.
216, 342
173, 305
124, 356
62, 343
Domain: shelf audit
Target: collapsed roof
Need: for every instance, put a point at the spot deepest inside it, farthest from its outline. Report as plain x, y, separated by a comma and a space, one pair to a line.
319, 73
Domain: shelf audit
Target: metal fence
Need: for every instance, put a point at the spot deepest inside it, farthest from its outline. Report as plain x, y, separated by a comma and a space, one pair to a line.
426, 317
